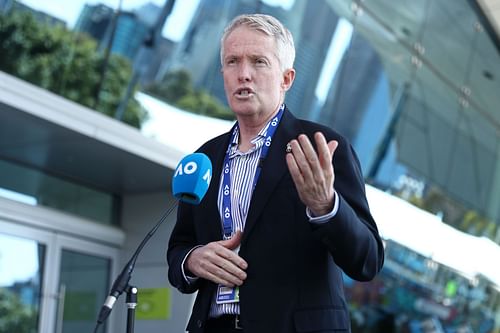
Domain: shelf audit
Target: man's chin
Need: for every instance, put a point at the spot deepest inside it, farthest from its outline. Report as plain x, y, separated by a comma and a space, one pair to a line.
243, 109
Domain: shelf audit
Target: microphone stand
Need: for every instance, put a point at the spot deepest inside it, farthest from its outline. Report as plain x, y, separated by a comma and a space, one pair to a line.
131, 304
121, 283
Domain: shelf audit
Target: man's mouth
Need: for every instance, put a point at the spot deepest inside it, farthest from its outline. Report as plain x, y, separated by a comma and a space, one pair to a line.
244, 92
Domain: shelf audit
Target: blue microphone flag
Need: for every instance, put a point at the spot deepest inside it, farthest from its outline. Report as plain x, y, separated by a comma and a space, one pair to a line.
192, 178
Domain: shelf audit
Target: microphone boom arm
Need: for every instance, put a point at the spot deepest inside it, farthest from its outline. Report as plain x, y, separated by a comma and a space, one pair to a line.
121, 282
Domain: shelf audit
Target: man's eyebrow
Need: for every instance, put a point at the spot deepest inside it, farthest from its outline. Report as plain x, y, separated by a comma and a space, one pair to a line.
229, 56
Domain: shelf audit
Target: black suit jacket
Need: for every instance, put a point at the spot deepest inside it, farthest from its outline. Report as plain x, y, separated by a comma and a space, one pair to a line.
294, 279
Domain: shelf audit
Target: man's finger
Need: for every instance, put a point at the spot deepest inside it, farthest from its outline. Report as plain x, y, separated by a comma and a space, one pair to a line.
294, 170
324, 154
229, 273
332, 146
307, 149
304, 154
223, 278
233, 242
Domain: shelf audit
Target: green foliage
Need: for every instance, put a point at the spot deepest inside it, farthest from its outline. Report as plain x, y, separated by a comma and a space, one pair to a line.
118, 75
16, 316
65, 63
174, 86
177, 89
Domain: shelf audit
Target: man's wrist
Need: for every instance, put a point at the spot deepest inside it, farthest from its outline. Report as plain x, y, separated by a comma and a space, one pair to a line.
189, 277
326, 217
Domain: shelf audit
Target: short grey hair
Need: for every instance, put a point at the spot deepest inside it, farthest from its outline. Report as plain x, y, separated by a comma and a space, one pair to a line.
271, 27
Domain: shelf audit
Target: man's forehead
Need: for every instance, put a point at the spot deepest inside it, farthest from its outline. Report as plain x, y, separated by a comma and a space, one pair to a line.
244, 33
246, 40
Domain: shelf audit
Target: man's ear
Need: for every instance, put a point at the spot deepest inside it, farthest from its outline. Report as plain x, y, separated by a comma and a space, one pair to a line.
288, 77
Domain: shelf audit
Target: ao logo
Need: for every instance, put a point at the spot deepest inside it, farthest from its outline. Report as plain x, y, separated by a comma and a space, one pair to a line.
188, 169
191, 168
207, 177
268, 141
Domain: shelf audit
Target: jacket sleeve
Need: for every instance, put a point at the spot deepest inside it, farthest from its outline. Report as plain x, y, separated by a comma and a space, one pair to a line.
351, 236
182, 240
186, 233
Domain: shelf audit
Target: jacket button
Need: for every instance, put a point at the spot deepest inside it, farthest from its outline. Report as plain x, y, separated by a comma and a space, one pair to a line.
199, 323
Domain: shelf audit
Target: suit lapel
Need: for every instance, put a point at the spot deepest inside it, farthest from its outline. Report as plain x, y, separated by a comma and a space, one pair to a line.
274, 168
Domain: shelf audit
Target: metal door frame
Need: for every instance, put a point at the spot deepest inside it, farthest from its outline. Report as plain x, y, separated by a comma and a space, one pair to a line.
35, 223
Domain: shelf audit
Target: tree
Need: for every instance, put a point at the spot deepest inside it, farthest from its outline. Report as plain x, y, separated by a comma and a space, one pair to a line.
176, 88
14, 315
65, 63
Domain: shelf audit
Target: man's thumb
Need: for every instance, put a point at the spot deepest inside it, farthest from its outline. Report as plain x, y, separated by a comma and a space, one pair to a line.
234, 242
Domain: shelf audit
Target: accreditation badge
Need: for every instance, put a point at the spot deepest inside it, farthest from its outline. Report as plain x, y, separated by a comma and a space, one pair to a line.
227, 295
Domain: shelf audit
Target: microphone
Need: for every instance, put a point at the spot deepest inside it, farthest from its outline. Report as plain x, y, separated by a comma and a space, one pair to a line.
192, 178
189, 184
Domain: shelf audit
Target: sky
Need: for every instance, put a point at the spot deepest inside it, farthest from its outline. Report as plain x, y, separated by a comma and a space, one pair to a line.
69, 10
11, 268
175, 27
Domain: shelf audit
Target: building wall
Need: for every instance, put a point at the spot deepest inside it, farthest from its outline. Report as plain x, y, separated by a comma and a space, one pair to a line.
140, 213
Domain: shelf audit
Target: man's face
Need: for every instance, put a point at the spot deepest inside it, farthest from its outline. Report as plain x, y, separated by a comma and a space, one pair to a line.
254, 83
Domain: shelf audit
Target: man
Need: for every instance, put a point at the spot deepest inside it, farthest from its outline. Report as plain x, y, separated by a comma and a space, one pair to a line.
282, 217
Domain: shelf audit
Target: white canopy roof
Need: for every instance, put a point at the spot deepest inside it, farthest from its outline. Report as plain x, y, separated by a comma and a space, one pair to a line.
177, 128
426, 234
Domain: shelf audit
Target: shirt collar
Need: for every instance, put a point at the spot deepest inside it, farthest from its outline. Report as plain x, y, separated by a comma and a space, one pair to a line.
257, 141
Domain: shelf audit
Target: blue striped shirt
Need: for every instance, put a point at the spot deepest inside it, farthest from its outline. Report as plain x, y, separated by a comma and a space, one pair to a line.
243, 167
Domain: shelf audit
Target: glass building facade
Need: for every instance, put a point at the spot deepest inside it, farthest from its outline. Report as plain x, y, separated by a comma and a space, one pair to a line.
415, 87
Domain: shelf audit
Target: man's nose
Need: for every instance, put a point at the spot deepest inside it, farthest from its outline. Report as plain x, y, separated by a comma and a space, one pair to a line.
244, 72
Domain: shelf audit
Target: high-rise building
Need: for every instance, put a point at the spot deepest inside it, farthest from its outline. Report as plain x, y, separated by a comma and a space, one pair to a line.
155, 50
95, 20
148, 13
6, 5
363, 68
163, 50
200, 46
358, 97
128, 32
311, 42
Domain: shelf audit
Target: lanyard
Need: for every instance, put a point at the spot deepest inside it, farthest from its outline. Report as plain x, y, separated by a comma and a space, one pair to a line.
227, 218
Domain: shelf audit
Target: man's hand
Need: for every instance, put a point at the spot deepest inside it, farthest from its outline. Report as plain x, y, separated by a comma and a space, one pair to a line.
218, 263
313, 172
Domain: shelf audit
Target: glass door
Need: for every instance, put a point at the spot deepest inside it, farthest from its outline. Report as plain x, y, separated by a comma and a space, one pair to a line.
83, 286
22, 263
51, 282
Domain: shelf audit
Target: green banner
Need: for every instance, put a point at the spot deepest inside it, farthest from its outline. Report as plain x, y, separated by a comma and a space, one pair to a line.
154, 304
